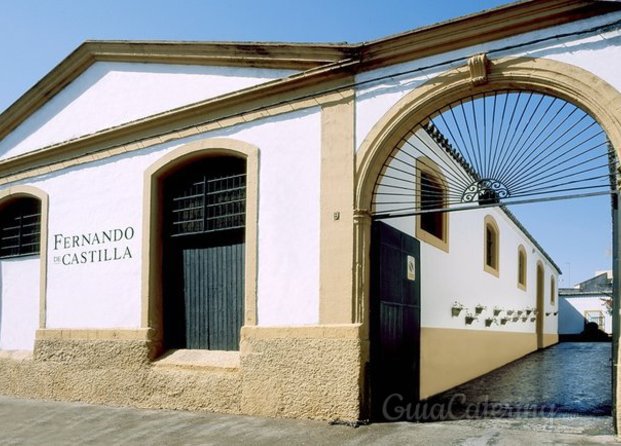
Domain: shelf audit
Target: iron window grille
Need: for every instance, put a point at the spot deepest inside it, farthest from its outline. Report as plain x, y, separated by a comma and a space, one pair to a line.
20, 228
208, 202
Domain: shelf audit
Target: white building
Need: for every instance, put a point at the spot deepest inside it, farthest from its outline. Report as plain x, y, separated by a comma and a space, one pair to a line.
589, 301
200, 225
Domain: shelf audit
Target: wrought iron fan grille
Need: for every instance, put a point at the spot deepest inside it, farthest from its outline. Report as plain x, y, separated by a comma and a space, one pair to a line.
497, 148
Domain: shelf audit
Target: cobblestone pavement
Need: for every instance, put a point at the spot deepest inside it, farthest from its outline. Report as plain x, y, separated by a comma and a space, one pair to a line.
572, 378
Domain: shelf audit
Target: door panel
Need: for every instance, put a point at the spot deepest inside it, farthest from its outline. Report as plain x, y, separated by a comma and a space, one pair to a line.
395, 320
213, 294
204, 303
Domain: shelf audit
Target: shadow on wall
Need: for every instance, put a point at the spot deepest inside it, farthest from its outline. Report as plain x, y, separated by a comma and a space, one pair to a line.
570, 320
574, 327
592, 333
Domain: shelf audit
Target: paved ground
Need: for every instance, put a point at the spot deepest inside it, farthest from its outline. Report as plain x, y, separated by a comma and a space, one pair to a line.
571, 378
26, 422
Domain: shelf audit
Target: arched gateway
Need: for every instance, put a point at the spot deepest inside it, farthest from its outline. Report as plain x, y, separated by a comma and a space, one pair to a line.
394, 182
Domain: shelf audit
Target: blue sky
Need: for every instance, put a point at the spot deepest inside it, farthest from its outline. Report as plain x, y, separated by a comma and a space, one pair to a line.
35, 35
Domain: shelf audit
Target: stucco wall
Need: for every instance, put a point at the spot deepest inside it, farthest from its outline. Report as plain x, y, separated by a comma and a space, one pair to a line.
99, 285
572, 313
452, 357
304, 372
19, 302
116, 373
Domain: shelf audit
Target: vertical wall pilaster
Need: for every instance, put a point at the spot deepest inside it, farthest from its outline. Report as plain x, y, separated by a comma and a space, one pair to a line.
337, 197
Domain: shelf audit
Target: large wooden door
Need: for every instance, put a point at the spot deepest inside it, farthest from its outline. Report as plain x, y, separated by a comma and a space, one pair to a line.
395, 321
204, 255
206, 292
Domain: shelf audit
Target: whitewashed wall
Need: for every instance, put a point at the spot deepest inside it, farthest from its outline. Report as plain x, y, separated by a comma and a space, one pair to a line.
572, 313
91, 199
459, 275
19, 302
108, 194
108, 94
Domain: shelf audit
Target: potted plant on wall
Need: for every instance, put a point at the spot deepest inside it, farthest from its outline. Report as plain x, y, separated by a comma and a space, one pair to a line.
504, 320
489, 321
470, 318
497, 310
456, 309
479, 309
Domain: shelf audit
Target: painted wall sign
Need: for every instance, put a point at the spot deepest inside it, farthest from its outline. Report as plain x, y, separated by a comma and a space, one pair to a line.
92, 247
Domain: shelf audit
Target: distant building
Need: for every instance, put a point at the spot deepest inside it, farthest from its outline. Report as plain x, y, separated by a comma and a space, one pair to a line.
589, 301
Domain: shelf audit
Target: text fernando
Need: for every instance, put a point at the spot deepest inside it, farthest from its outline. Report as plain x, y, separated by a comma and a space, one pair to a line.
93, 247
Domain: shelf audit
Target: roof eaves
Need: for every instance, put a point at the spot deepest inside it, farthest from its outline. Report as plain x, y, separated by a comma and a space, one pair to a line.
291, 56
485, 26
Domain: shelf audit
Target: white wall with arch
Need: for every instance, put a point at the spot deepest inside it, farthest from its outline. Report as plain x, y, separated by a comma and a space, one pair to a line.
99, 285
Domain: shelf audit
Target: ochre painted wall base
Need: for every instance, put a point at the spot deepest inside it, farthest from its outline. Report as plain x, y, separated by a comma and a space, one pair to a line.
549, 339
451, 357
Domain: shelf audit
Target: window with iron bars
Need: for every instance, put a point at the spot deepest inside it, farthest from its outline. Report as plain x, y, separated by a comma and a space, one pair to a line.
20, 228
208, 199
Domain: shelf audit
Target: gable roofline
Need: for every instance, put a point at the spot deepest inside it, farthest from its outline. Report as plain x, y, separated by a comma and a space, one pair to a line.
239, 54
492, 24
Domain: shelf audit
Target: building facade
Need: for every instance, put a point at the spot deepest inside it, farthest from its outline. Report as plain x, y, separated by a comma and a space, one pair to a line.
197, 226
588, 302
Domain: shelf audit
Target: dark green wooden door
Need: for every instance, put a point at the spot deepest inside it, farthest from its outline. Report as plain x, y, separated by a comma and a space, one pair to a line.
204, 256
395, 321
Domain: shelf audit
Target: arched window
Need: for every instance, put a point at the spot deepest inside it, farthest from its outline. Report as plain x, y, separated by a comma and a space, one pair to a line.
491, 246
20, 227
552, 290
521, 269
431, 227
